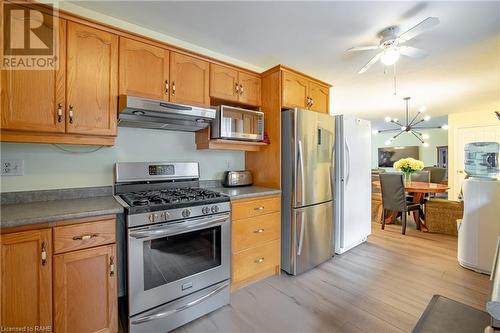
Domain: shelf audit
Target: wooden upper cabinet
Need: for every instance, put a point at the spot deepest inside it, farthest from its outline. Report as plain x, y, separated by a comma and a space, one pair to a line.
34, 100
85, 291
189, 78
92, 80
320, 96
294, 94
26, 284
144, 70
249, 89
224, 83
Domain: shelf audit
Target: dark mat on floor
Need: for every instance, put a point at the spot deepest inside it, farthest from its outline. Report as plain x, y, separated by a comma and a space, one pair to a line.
446, 315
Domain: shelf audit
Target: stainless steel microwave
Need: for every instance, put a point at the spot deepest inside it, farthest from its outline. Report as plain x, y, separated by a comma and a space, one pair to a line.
237, 124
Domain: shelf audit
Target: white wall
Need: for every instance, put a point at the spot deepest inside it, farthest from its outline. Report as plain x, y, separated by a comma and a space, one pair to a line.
437, 137
47, 167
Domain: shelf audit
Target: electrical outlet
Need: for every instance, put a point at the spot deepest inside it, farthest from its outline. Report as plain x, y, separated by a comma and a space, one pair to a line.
12, 167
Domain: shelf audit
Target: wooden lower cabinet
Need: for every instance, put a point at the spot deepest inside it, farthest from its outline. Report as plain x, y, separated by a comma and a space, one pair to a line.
26, 284
85, 294
256, 233
61, 279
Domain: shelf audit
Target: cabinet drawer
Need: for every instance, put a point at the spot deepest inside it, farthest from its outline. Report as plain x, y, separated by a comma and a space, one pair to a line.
255, 231
84, 235
242, 209
256, 261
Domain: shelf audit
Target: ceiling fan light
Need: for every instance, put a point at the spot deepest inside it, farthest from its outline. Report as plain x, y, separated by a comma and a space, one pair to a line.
427, 118
390, 56
387, 119
445, 127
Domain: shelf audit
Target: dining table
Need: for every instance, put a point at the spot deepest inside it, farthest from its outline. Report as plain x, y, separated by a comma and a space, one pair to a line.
418, 191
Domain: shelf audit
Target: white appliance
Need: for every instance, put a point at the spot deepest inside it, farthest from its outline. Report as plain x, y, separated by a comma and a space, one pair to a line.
480, 227
352, 182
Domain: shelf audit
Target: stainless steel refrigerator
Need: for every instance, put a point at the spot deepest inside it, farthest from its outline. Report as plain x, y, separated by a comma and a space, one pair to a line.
307, 168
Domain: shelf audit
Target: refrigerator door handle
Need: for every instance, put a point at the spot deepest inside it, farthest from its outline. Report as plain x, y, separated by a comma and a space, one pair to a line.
348, 160
301, 175
301, 236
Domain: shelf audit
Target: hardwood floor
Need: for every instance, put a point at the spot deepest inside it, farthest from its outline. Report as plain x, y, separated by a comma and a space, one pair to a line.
381, 286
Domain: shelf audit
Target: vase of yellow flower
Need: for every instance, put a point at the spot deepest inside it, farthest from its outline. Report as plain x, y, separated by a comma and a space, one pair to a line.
408, 166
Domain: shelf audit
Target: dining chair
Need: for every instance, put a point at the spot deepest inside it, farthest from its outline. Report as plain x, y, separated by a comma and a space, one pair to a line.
437, 174
394, 198
421, 176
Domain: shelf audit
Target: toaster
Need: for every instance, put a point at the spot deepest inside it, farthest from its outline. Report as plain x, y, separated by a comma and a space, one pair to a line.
237, 178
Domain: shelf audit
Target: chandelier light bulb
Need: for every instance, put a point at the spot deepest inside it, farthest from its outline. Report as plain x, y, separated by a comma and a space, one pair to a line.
427, 118
375, 132
422, 108
425, 136
390, 56
387, 119
445, 126
387, 142
395, 119
426, 144
403, 128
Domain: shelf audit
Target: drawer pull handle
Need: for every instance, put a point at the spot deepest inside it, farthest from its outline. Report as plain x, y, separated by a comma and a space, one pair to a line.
85, 236
259, 231
259, 208
259, 261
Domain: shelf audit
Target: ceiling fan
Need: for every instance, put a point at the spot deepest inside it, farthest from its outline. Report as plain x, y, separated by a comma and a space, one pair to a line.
391, 44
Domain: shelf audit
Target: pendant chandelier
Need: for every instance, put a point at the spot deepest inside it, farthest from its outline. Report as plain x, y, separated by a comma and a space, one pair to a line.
410, 126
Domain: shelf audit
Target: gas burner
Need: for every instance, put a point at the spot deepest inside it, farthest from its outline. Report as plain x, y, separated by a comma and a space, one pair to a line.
140, 202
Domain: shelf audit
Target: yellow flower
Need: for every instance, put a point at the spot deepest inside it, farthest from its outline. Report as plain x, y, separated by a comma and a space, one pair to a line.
408, 165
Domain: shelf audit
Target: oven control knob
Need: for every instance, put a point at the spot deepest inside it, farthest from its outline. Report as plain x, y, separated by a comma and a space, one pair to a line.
165, 216
205, 210
215, 209
153, 218
186, 213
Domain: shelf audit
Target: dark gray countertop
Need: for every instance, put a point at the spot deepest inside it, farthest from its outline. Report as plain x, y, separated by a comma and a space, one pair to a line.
57, 210
246, 192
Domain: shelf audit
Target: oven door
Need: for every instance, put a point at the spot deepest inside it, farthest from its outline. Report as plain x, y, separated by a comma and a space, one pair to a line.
171, 260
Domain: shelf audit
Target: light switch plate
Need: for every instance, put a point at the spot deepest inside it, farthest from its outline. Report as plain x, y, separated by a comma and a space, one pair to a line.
12, 167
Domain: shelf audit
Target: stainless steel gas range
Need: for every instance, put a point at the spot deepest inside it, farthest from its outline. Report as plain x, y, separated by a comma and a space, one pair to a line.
178, 245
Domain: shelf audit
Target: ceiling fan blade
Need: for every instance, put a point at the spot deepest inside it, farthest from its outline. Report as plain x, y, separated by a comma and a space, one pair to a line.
412, 52
363, 48
423, 26
370, 63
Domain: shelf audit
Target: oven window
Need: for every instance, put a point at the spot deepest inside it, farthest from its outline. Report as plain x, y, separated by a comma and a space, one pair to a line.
175, 257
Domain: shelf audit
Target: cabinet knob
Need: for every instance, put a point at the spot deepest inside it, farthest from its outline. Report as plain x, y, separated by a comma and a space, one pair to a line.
59, 112
44, 253
237, 88
166, 87
259, 231
259, 261
71, 114
311, 101
259, 208
173, 88
111, 266
241, 89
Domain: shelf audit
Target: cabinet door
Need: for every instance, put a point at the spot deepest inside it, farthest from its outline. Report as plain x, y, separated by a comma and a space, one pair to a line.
85, 294
190, 80
26, 284
143, 70
33, 100
92, 81
320, 97
249, 89
294, 91
224, 83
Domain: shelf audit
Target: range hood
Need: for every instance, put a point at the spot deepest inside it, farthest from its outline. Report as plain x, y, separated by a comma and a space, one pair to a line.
149, 113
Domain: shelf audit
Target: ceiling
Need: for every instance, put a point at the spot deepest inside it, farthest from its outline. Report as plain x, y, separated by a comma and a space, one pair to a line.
461, 72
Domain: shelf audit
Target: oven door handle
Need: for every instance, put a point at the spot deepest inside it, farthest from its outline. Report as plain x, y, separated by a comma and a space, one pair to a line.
156, 316
178, 229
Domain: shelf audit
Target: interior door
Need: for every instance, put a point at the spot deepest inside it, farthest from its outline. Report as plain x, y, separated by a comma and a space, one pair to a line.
462, 137
313, 235
354, 224
314, 144
143, 70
